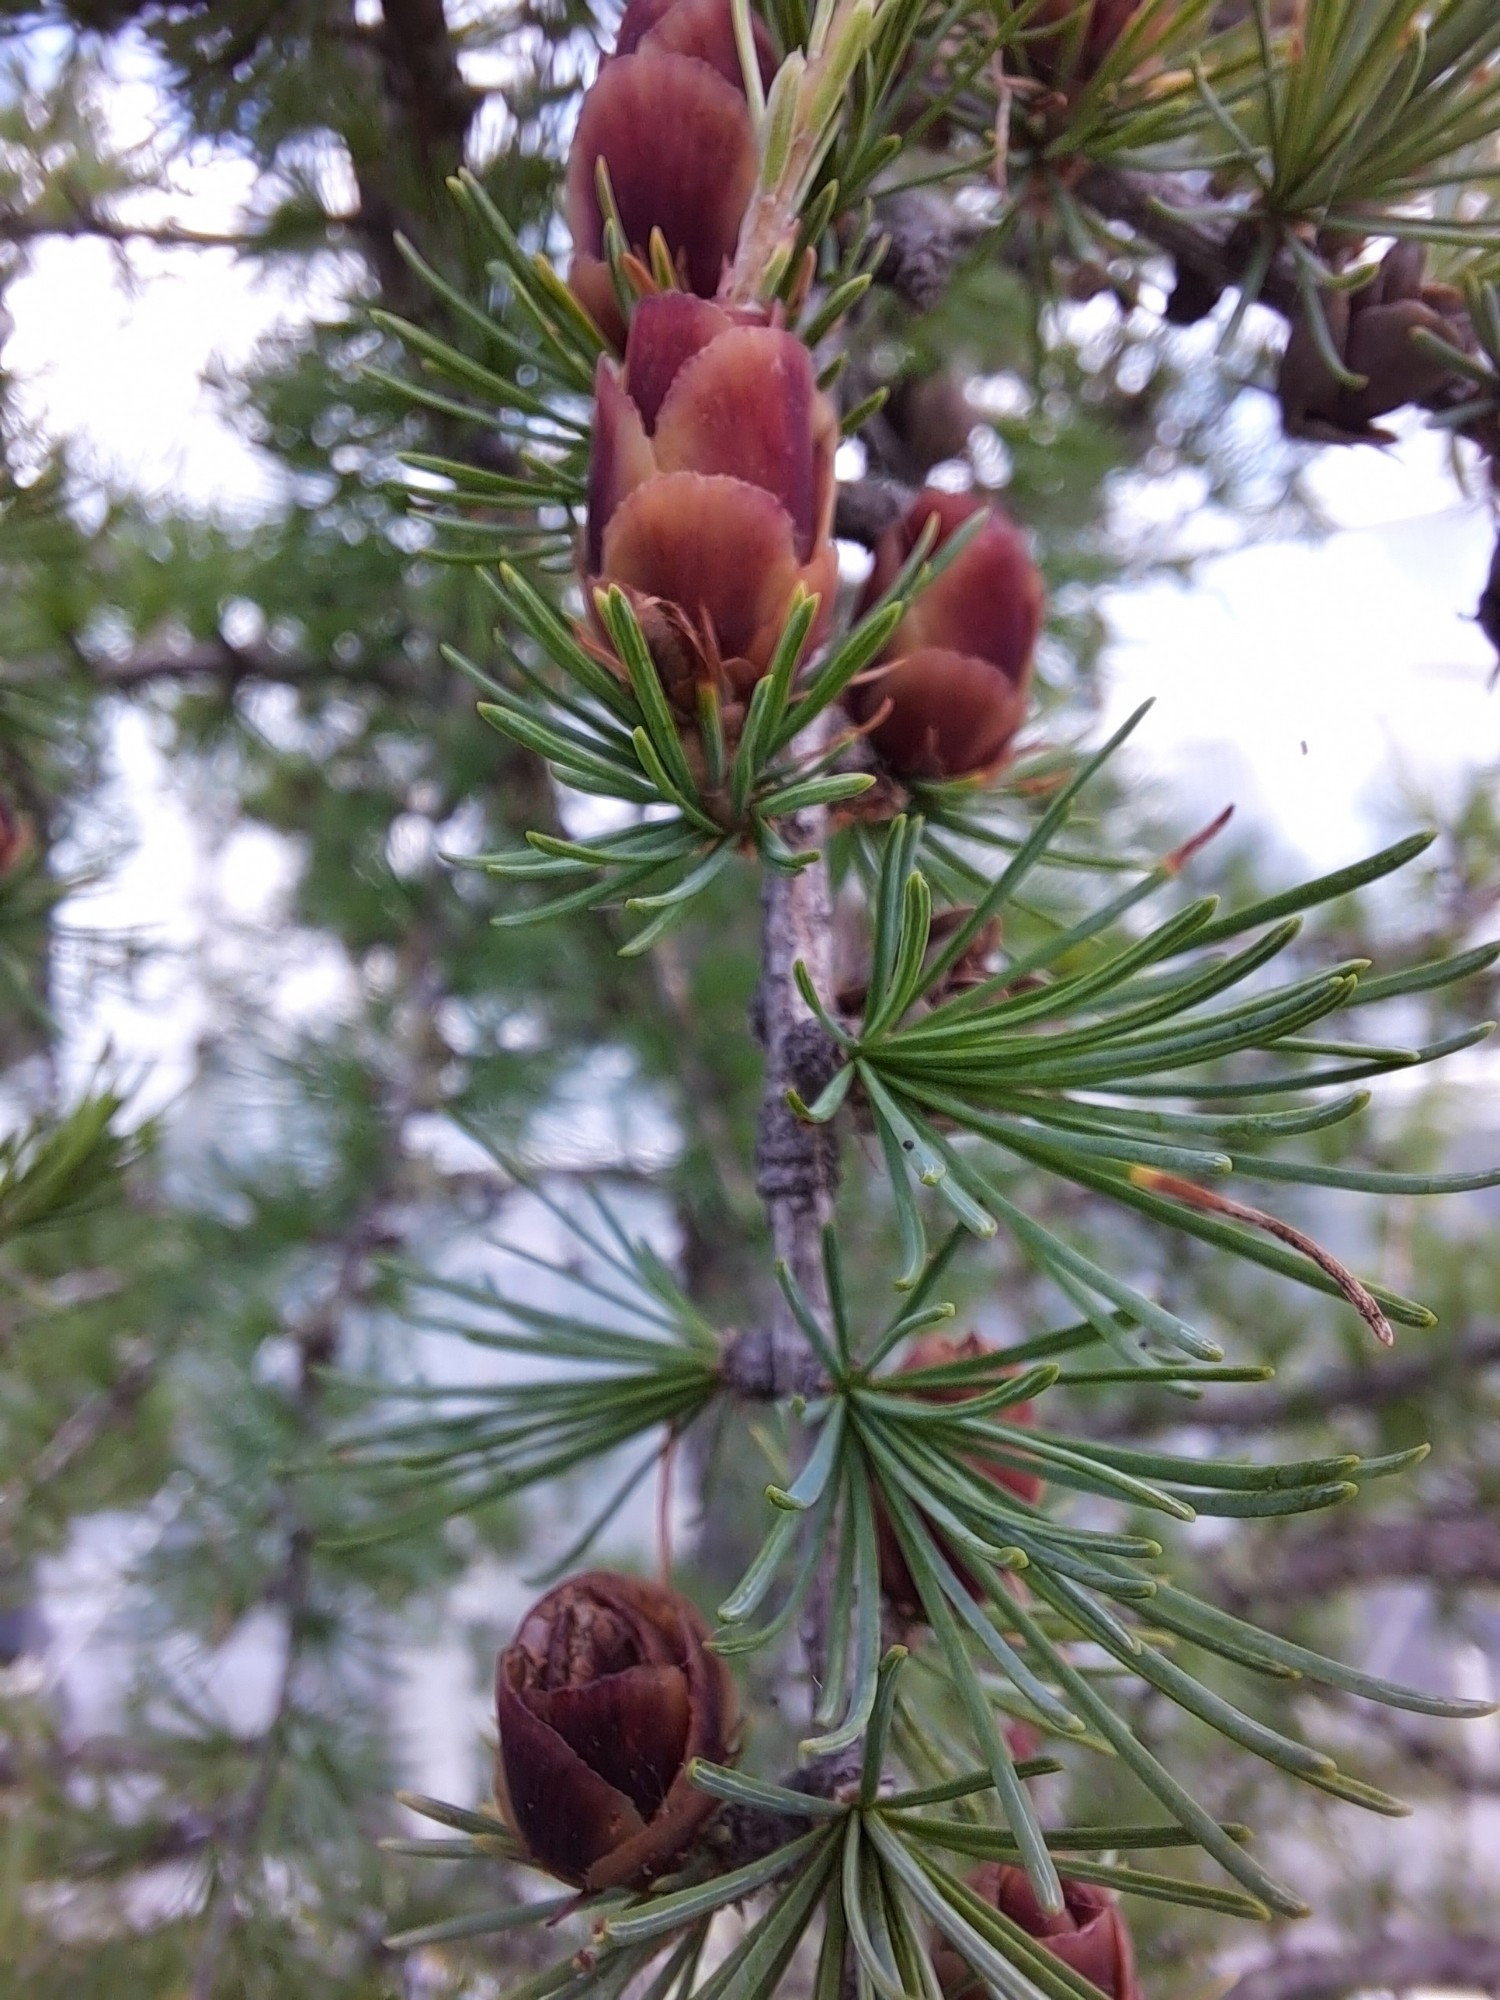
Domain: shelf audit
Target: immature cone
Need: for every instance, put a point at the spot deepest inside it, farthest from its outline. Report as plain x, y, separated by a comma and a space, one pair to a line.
1371, 331
957, 669
603, 1698
1089, 1934
701, 28
711, 488
668, 117
897, 1584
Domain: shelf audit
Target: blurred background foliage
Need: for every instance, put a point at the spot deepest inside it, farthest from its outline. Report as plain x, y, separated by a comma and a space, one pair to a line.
212, 1678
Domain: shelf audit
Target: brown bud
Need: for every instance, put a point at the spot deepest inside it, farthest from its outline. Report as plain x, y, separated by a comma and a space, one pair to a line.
933, 1351
711, 487
1371, 332
603, 1698
667, 115
1089, 1934
957, 669
1395, 369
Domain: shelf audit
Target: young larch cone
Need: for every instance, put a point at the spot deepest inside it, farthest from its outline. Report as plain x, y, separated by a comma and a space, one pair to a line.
935, 1350
668, 117
1089, 1934
711, 489
956, 671
603, 1698
701, 28
1371, 331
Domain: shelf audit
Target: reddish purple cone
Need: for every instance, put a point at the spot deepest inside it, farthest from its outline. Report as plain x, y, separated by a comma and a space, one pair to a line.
957, 669
668, 117
711, 488
1371, 331
1089, 1934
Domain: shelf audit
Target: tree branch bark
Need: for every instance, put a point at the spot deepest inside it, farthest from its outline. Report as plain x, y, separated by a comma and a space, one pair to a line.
1214, 249
1441, 1549
214, 659
796, 1164
1467, 1963
424, 81
240, 1824
89, 225
291, 1585
1364, 1386
867, 507
79, 1433
231, 665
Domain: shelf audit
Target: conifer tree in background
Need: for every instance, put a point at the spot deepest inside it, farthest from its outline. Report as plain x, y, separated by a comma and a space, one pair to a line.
1023, 1073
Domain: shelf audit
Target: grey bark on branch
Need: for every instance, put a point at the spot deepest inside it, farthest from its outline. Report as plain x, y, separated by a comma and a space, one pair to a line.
215, 659
924, 239
19, 226
83, 1429
1363, 1387
867, 507
240, 1826
1214, 250
234, 666
1459, 1963
750, 1833
1443, 1549
796, 1164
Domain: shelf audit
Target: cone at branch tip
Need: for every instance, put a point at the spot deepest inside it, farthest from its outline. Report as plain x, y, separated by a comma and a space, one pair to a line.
1371, 333
668, 119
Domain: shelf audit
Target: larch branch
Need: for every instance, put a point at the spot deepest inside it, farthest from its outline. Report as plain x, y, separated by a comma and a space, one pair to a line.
1391, 1379
1444, 1550
1463, 1962
796, 1164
